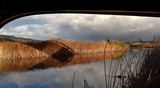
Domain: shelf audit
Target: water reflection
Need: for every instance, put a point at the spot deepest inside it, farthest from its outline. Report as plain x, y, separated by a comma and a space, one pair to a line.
18, 64
54, 73
23, 64
57, 77
77, 59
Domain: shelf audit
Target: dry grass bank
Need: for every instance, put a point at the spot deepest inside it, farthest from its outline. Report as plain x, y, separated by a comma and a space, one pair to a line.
16, 56
50, 48
145, 45
19, 50
22, 56
95, 47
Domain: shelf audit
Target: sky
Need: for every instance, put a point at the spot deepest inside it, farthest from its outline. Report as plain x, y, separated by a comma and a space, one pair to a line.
84, 27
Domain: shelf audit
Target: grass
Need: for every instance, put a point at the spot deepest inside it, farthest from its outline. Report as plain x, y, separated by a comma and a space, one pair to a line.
93, 47
134, 72
137, 70
110, 79
144, 45
14, 54
143, 68
148, 71
19, 50
50, 48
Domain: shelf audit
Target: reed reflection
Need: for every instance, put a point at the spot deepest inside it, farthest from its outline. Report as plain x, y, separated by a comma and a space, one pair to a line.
23, 64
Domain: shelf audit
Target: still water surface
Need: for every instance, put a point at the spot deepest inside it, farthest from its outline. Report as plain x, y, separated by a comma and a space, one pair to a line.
89, 68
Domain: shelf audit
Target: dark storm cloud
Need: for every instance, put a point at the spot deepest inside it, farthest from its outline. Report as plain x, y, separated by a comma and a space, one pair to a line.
84, 27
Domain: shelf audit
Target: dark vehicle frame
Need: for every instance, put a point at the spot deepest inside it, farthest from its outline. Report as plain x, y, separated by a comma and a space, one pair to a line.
12, 9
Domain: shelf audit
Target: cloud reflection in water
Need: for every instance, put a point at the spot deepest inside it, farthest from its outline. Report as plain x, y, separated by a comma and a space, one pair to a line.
57, 77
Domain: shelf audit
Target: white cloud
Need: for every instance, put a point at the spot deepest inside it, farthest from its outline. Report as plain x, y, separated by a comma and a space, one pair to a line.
81, 26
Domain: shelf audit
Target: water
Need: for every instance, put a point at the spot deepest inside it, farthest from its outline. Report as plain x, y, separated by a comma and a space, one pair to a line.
50, 73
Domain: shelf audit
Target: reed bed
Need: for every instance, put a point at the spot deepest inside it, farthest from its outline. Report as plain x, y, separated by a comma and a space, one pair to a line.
19, 50
94, 47
146, 73
142, 69
50, 48
110, 78
138, 69
145, 45
15, 56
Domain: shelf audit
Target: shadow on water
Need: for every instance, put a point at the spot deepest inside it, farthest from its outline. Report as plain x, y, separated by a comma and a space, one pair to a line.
62, 55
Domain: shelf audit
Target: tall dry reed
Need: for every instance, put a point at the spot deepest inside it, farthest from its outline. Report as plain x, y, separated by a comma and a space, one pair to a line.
94, 47
143, 69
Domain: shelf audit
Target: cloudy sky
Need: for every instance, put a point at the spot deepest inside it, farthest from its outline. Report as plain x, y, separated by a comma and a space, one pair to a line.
83, 27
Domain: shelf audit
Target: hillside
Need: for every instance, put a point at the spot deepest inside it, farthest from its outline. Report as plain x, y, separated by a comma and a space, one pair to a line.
6, 38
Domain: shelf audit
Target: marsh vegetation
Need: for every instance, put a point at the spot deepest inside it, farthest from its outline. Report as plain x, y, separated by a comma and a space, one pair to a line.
121, 65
